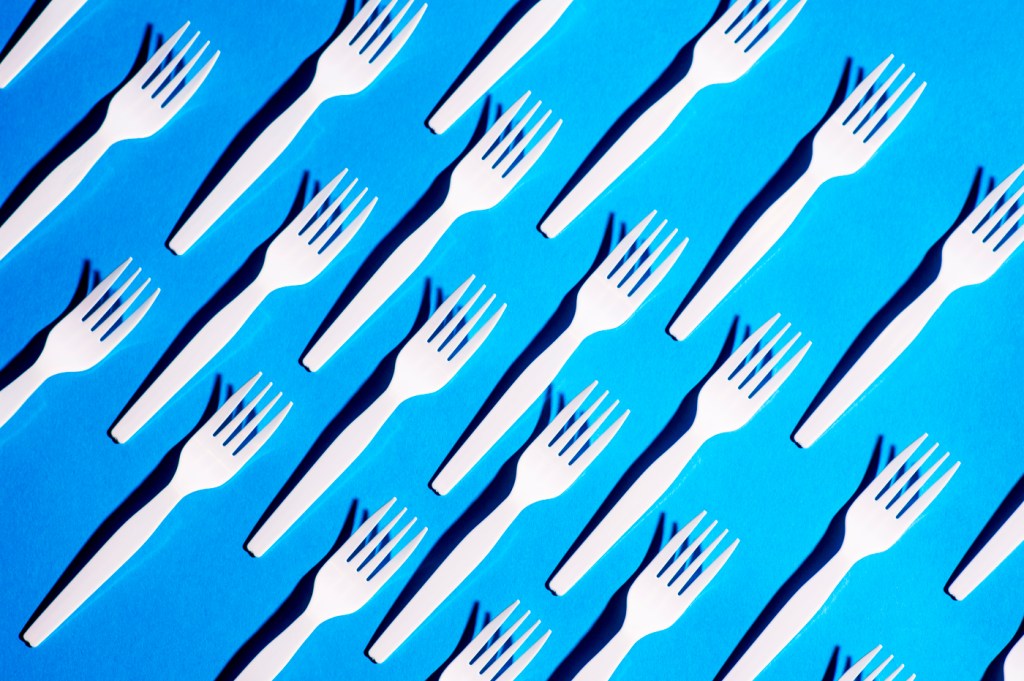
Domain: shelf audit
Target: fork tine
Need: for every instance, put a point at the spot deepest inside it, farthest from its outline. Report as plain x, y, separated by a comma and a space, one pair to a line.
900, 482
371, 565
862, 664
454, 341
150, 68
494, 649
535, 153
389, 30
667, 553
353, 542
85, 306
321, 226
704, 578
866, 109
889, 472
634, 257
892, 677
676, 564
505, 655
760, 372
519, 147
441, 313
389, 51
395, 563
748, 19
564, 438
739, 354
777, 379
474, 343
236, 420
1008, 243
655, 277
620, 250
479, 643
349, 231
213, 424
519, 665
363, 552
368, 34
730, 15
300, 221
633, 279
878, 670
587, 435
982, 210
104, 325
100, 310
914, 512
889, 126
751, 366
996, 218
773, 32
247, 429
878, 116
504, 146
601, 442
550, 432
686, 572
126, 326
906, 499
846, 109
449, 325
190, 88
256, 443
167, 72
312, 227
485, 143
348, 34
170, 85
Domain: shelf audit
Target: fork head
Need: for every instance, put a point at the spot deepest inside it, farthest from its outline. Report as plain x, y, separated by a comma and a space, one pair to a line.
486, 657
364, 48
363, 564
228, 439
747, 380
301, 251
626, 278
881, 514
986, 238
854, 672
566, 447
737, 39
442, 345
862, 123
158, 91
495, 164
98, 324
668, 585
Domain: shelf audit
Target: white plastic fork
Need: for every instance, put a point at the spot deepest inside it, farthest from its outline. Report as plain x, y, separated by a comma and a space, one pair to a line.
347, 66
973, 252
998, 548
549, 466
854, 672
343, 585
485, 176
661, 594
728, 400
1013, 666
842, 146
520, 39
296, 256
875, 521
139, 109
605, 301
49, 22
82, 338
424, 365
726, 51
211, 457
482, 660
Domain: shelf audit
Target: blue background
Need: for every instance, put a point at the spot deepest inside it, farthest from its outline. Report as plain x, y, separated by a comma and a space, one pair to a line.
192, 597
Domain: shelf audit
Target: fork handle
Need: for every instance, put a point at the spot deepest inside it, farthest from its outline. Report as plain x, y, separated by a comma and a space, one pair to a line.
17, 392
527, 32
623, 153
399, 266
47, 24
328, 468
637, 502
1013, 667
602, 666
509, 408
203, 347
882, 352
272, 660
794, 616
463, 559
1004, 542
49, 193
270, 144
128, 539
745, 256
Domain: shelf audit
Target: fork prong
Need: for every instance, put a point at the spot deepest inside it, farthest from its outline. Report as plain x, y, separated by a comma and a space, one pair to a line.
389, 51
704, 578
620, 250
655, 277
441, 313
247, 429
626, 269
503, 147
632, 277
352, 543
862, 664
739, 354
386, 572
866, 110
731, 15
925, 500
98, 312
371, 565
686, 572
878, 116
119, 310
329, 230
677, 563
898, 670
494, 649
550, 432
167, 72
350, 230
563, 438
573, 447
235, 420
849, 104
906, 499
372, 27
889, 126
479, 643
214, 423
667, 553
533, 154
893, 467
491, 136
748, 20
300, 221
982, 210
773, 33
348, 34
760, 372
899, 482
598, 445
519, 147
994, 224
505, 655
389, 30
175, 79
878, 670
746, 374
474, 343
1008, 244
363, 552
777, 379
454, 341
85, 306
151, 66
126, 326
256, 443
517, 667
449, 325
190, 88
311, 229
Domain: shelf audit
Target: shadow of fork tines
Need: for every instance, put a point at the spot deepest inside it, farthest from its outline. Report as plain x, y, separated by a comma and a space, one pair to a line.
919, 280
156, 481
826, 548
78, 134
293, 605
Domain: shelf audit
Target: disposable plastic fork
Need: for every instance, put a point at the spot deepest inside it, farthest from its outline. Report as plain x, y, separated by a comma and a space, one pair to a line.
548, 467
854, 672
661, 594
343, 585
973, 252
347, 66
49, 22
211, 457
1005, 541
139, 109
527, 32
296, 256
482, 660
842, 146
728, 400
82, 338
484, 176
607, 299
426, 364
726, 51
875, 521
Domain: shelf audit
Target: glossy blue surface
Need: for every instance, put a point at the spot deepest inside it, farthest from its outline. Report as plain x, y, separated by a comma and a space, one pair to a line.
192, 597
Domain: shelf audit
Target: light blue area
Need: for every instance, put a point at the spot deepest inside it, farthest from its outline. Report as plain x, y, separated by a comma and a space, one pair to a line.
192, 597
